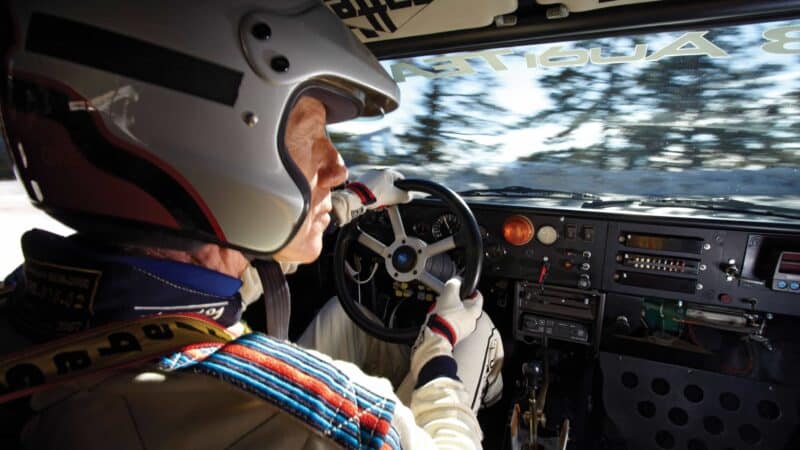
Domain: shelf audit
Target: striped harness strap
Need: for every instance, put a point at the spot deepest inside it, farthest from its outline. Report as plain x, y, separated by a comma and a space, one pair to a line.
281, 373
301, 384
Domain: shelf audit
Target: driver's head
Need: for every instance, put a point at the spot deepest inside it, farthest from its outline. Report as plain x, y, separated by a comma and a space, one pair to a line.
159, 124
314, 155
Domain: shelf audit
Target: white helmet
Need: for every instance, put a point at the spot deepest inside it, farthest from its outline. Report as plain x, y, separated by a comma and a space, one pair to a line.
130, 118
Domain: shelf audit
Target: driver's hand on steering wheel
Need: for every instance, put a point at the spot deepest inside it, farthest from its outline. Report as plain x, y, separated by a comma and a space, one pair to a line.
452, 317
450, 321
374, 189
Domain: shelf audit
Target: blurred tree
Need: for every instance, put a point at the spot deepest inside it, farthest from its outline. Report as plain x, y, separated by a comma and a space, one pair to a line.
425, 133
676, 112
452, 112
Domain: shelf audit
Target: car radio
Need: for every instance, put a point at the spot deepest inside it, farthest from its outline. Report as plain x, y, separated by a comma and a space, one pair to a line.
563, 314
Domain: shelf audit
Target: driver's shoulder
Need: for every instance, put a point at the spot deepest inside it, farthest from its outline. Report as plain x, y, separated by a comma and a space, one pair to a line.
253, 385
144, 408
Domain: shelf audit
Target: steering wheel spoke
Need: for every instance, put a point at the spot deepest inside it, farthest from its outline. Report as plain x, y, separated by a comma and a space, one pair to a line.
371, 243
397, 222
440, 246
435, 284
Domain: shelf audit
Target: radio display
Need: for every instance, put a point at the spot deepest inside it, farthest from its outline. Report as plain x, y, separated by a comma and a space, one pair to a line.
663, 243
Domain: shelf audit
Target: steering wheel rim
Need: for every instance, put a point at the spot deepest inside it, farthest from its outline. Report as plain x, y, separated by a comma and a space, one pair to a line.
408, 256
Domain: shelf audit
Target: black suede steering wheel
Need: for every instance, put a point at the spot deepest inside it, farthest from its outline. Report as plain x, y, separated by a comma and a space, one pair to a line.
406, 257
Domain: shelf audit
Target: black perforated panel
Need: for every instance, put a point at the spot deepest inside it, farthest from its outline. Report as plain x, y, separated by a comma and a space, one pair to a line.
661, 406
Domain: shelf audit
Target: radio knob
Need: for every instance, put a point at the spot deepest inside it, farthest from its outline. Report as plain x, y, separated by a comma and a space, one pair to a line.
586, 254
585, 267
584, 282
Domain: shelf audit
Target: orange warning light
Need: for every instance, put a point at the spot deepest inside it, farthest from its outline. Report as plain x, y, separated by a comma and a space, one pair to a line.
518, 230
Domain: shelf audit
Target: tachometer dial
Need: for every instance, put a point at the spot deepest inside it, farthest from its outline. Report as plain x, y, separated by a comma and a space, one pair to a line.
445, 225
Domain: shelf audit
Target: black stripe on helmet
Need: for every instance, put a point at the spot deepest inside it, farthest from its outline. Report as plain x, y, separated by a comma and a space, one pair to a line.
106, 50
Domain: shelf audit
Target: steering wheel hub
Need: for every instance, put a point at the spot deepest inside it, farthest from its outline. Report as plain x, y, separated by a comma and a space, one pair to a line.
404, 259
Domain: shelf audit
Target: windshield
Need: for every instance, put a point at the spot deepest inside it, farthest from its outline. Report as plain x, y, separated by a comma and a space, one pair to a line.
709, 112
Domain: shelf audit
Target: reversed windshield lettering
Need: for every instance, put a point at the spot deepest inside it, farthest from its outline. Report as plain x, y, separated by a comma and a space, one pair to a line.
556, 57
596, 56
694, 43
699, 46
779, 39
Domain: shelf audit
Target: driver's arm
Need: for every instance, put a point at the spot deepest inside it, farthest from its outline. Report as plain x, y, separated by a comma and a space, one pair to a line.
440, 407
440, 403
439, 415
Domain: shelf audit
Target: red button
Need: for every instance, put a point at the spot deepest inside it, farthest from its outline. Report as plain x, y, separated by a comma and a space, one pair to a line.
725, 298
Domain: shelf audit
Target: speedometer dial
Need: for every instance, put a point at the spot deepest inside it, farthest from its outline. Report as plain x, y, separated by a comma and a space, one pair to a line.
445, 225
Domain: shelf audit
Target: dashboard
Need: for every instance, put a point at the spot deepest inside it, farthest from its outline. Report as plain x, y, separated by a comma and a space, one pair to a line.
734, 266
641, 309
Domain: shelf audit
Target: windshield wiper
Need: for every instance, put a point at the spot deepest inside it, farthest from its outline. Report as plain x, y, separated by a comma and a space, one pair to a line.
522, 191
723, 204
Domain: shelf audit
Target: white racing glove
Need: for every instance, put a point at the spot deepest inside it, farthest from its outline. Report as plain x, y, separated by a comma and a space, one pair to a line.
374, 189
440, 402
450, 321
479, 357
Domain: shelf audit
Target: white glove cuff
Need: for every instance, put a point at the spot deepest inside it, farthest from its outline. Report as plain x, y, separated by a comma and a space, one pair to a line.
431, 358
346, 206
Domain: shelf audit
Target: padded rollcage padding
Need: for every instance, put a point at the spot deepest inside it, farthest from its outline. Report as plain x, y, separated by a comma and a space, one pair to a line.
661, 406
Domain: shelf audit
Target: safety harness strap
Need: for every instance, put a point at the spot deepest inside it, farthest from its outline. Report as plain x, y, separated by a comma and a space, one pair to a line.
278, 298
279, 372
102, 349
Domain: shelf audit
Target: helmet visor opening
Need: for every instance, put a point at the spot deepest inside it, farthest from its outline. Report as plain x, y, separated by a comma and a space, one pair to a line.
339, 106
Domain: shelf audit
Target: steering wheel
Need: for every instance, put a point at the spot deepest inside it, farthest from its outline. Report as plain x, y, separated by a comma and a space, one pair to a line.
409, 258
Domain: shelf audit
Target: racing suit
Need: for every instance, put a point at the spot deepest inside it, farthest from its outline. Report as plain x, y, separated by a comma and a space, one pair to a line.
68, 285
